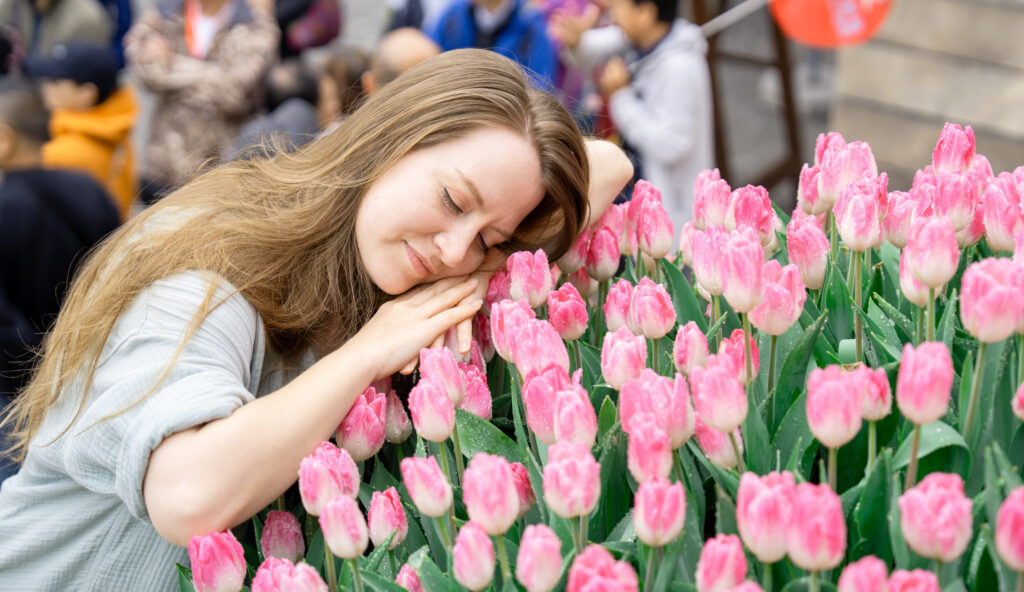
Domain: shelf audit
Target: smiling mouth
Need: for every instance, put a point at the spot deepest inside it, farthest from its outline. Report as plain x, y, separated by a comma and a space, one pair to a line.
419, 264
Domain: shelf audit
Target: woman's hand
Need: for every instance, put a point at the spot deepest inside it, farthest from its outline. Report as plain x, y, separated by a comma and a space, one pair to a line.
419, 318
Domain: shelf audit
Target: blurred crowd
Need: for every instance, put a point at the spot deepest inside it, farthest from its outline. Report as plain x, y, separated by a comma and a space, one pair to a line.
234, 79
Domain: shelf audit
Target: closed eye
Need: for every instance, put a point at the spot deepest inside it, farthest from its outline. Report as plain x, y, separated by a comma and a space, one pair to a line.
446, 197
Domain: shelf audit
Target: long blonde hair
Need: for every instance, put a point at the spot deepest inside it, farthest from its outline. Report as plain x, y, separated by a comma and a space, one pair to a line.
282, 230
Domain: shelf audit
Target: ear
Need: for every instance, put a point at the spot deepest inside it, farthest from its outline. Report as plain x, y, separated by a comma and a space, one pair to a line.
369, 83
91, 92
8, 143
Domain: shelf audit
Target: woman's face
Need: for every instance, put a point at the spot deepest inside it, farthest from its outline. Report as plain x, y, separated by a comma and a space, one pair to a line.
435, 212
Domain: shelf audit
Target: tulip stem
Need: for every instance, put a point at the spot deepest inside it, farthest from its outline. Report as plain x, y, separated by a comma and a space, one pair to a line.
599, 326
856, 263
716, 311
394, 566
506, 573
460, 467
920, 326
1020, 582
444, 535
747, 337
677, 466
443, 453
930, 324
654, 356
975, 387
814, 586
833, 237
279, 503
517, 415
736, 450
767, 577
938, 572
332, 577
1020, 359
649, 573
833, 472
577, 353
358, 581
574, 531
872, 443
912, 468
773, 342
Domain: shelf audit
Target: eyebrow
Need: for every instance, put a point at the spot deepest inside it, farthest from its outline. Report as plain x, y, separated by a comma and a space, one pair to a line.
475, 193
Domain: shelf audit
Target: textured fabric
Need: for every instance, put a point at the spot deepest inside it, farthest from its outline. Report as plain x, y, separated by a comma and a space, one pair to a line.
63, 22
74, 517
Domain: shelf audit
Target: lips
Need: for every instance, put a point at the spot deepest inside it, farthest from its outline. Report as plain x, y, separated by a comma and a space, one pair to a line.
419, 264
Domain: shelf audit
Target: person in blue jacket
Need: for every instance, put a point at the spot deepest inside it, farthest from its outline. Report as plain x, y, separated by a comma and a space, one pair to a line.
509, 27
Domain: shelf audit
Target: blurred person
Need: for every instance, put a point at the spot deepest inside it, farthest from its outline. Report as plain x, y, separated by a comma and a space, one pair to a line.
658, 87
306, 24
396, 52
44, 24
290, 119
204, 62
419, 14
512, 28
341, 84
48, 220
91, 117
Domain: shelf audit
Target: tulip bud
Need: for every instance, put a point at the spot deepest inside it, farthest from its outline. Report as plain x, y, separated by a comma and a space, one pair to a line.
651, 312
647, 452
718, 397
807, 196
361, 433
654, 230
750, 207
741, 271
877, 403
825, 141
935, 517
955, 198
932, 252
529, 276
991, 302
1010, 530
732, 352
685, 249
539, 563
540, 393
344, 528
763, 506
567, 312
660, 510
716, 444
397, 425
603, 254
482, 342
385, 516
816, 535
327, 472
281, 575
427, 485
1004, 210
524, 489
473, 557
497, 290
808, 250
859, 211
596, 569
576, 257
782, 298
841, 166
218, 562
623, 356
409, 579
954, 151
870, 574
660, 397
507, 319
536, 346
722, 565
903, 209
690, 349
924, 381
917, 580
834, 401
616, 305
708, 251
710, 202
282, 537
572, 480
913, 290
574, 418
433, 414
478, 394
1018, 403
489, 492
440, 367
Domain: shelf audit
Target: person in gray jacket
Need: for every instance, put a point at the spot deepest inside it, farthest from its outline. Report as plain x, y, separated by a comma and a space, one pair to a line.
658, 85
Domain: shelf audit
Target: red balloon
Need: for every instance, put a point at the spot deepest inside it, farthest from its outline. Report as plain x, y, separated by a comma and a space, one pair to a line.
829, 23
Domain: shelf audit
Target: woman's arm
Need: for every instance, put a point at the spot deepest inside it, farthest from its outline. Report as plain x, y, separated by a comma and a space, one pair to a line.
610, 170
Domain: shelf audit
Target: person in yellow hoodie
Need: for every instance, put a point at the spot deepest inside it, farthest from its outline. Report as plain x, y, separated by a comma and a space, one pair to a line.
91, 116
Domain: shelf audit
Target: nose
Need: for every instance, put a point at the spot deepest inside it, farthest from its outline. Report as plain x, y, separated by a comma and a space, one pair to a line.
455, 245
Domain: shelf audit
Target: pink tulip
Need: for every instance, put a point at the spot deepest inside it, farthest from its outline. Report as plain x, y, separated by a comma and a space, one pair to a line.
954, 151
842, 166
536, 346
572, 480
763, 506
282, 536
623, 356
576, 257
816, 535
718, 397
716, 444
648, 453
748, 586
956, 198
433, 414
991, 302
834, 401
870, 574
567, 312
643, 191
385, 516
877, 402
913, 290
540, 394
497, 290
935, 517
603, 254
651, 312
917, 580
654, 230
808, 250
708, 251
489, 492
924, 382
859, 212
327, 472
932, 251
397, 425
710, 200
616, 305
1010, 530
807, 199
902, 210
574, 417
427, 485
660, 510
596, 569
825, 141
529, 276
690, 348
440, 367
741, 270
507, 319
482, 341
409, 579
660, 397
361, 433
344, 528
218, 562
281, 575
782, 298
539, 563
1018, 403
732, 352
750, 207
686, 235
722, 565
524, 490
473, 557
1004, 209
1018, 247
478, 394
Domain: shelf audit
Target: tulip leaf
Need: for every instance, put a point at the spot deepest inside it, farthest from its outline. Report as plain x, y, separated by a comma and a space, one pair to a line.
624, 530
431, 577
804, 585
793, 376
185, 579
372, 562
727, 480
616, 496
725, 513
1011, 474
837, 300
591, 365
993, 491
667, 567
376, 582
315, 550
883, 333
756, 446
684, 298
942, 441
692, 479
955, 586
900, 321
715, 328
900, 552
479, 435
794, 431
606, 417
944, 332
872, 509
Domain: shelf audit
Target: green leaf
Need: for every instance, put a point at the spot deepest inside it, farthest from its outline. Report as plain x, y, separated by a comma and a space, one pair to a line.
873, 508
623, 531
727, 480
716, 327
373, 561
667, 567
591, 364
804, 585
1010, 473
793, 377
935, 437
903, 324
616, 496
431, 577
899, 546
794, 430
725, 513
756, 447
836, 297
315, 551
376, 582
944, 332
687, 304
185, 579
882, 333
606, 417
479, 435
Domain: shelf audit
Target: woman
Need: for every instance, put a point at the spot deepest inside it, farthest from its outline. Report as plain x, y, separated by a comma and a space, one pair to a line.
141, 427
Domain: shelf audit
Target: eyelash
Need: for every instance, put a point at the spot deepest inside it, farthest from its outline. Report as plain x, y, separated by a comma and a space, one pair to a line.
450, 203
